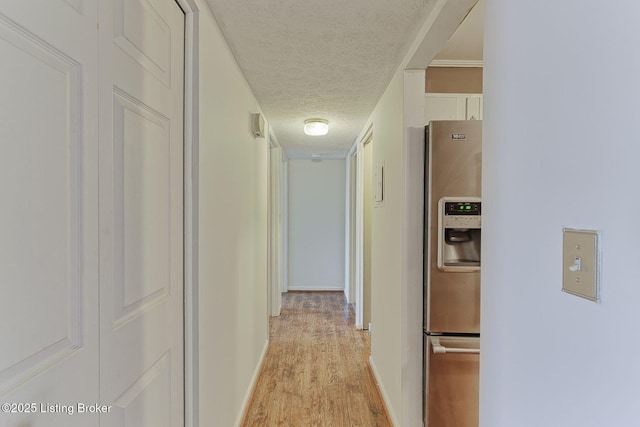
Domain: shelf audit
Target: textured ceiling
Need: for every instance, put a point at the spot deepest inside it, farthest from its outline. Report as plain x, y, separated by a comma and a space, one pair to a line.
330, 59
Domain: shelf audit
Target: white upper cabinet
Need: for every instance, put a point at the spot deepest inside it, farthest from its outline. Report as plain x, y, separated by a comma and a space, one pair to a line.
452, 106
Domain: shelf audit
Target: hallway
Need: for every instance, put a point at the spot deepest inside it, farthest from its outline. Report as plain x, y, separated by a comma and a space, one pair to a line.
315, 371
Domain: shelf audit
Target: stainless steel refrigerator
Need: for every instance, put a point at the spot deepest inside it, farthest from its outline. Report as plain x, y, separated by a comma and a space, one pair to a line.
452, 262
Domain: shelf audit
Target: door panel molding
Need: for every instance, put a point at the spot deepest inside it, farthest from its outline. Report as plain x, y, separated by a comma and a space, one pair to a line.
75, 4
42, 161
154, 282
128, 37
155, 381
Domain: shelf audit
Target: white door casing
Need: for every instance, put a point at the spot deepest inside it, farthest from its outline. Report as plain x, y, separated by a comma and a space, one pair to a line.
359, 227
275, 230
141, 212
284, 269
352, 226
49, 212
367, 217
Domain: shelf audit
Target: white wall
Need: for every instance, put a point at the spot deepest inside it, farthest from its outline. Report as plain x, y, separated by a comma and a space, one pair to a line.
386, 249
396, 258
561, 139
396, 341
233, 233
412, 247
316, 224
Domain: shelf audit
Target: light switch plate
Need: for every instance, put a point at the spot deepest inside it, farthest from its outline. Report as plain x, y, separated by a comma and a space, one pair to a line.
581, 263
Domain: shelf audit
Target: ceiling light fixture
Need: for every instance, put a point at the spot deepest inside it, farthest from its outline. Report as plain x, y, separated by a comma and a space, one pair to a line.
316, 127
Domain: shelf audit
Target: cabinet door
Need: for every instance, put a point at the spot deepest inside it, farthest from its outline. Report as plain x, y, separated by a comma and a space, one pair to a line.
452, 106
443, 107
473, 107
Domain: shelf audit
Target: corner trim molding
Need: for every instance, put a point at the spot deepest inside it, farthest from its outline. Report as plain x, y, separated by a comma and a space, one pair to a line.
191, 211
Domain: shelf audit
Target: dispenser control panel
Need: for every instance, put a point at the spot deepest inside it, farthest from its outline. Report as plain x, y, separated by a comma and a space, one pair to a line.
461, 214
459, 234
462, 208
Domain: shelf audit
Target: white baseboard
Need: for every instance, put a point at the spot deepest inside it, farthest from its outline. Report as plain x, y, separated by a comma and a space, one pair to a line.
315, 288
385, 398
252, 385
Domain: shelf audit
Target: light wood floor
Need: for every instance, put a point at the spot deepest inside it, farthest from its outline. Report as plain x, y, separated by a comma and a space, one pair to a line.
315, 371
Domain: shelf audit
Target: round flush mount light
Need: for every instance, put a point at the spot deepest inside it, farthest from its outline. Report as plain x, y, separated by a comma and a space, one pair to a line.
316, 127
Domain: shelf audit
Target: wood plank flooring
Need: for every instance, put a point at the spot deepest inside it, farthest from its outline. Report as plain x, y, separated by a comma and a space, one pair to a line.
315, 372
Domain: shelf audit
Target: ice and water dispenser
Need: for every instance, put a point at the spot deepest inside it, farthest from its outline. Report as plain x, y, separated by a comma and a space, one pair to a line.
459, 233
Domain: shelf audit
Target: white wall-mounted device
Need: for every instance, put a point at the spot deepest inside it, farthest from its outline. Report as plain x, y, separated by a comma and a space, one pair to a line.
257, 125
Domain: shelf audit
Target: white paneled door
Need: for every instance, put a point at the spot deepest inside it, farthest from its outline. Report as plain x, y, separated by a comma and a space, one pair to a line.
141, 213
91, 215
48, 213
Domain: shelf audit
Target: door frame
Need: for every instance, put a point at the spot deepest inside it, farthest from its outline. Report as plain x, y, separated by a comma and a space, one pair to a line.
350, 226
274, 214
359, 226
191, 208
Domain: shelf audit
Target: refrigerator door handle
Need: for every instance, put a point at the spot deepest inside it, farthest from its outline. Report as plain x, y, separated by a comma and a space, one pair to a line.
437, 348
